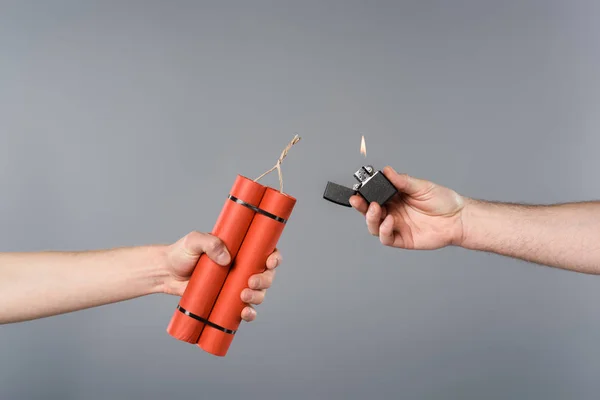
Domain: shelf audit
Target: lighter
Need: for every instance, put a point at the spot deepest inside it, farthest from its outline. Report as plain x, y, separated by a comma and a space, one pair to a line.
372, 185
250, 224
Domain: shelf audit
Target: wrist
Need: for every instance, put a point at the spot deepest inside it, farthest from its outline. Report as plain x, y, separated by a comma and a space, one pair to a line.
158, 268
473, 216
463, 235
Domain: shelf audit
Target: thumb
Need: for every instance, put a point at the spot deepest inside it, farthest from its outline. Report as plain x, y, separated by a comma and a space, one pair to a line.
405, 183
196, 243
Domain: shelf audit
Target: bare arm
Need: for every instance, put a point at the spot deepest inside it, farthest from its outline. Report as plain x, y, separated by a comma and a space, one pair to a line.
427, 216
564, 235
36, 285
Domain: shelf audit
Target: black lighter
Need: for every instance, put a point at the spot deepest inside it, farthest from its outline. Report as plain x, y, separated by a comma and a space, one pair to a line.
372, 185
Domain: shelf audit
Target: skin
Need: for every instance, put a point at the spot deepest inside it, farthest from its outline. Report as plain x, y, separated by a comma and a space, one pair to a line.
37, 285
427, 216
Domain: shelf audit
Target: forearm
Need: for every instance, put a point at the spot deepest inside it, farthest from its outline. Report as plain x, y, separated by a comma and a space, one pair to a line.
35, 285
565, 236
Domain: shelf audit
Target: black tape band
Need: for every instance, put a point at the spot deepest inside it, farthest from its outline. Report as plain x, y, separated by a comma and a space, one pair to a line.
256, 209
205, 321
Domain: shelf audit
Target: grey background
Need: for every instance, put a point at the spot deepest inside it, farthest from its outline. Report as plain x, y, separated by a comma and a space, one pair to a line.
124, 123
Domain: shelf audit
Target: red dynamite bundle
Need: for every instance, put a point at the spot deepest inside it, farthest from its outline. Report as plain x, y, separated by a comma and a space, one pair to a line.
250, 224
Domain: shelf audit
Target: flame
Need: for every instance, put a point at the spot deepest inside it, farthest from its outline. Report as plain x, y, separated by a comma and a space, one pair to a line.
363, 147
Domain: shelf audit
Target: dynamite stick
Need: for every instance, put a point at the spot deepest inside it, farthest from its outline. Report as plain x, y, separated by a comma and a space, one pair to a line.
208, 277
191, 317
265, 230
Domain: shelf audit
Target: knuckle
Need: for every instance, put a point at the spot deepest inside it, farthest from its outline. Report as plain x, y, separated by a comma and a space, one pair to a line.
267, 282
259, 298
428, 188
190, 242
192, 237
196, 235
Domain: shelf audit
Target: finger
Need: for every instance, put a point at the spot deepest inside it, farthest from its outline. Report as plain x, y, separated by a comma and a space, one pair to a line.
359, 203
405, 183
248, 314
253, 296
262, 281
274, 260
196, 243
386, 231
374, 218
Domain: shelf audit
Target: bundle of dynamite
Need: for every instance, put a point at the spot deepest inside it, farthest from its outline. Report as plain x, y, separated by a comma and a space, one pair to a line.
250, 224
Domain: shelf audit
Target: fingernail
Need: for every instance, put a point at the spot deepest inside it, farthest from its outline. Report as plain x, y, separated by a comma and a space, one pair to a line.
254, 282
223, 257
371, 210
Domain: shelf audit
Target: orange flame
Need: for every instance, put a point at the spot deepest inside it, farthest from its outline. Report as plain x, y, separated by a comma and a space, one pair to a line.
363, 147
